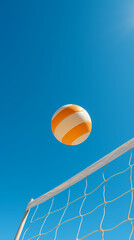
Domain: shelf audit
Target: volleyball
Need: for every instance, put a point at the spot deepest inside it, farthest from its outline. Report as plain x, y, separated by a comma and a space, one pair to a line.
71, 124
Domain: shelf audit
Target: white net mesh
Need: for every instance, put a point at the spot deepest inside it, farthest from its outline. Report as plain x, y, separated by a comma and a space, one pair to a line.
98, 207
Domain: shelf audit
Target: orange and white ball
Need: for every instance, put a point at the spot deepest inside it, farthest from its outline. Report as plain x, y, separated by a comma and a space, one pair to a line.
71, 124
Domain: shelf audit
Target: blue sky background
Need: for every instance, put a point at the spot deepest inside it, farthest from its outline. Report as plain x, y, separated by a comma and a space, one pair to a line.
53, 53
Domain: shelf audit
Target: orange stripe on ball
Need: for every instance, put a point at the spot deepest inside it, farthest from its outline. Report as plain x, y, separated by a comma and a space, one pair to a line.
76, 132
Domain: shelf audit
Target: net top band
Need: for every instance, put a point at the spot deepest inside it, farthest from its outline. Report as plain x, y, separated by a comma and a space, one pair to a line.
83, 174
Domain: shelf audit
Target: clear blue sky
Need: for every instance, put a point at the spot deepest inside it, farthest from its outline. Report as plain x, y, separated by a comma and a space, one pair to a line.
53, 53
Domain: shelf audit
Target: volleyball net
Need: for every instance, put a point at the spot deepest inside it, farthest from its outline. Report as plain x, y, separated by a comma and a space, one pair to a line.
94, 204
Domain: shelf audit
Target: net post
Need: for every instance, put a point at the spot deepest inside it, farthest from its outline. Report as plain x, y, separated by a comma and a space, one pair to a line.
22, 223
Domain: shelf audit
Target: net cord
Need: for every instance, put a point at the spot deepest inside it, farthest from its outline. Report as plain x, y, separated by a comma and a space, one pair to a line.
45, 218
62, 215
104, 199
81, 209
31, 221
131, 184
